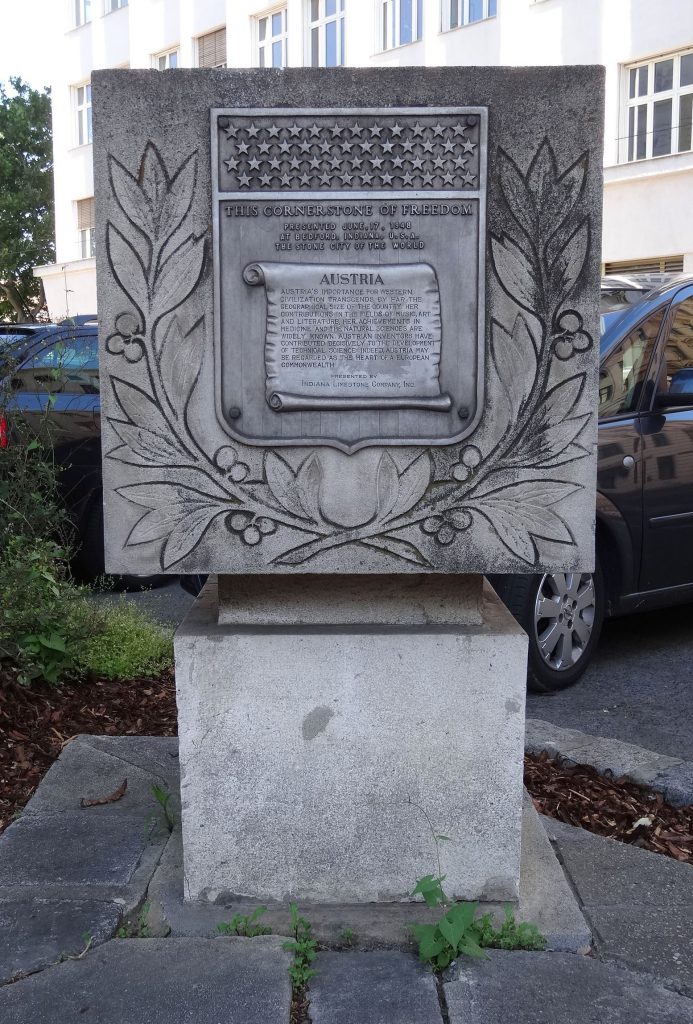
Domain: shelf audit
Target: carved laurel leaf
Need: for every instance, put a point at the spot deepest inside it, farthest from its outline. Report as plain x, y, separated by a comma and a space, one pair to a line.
128, 268
413, 484
187, 534
154, 181
181, 361
522, 511
179, 275
283, 484
543, 173
398, 547
559, 402
517, 195
159, 522
568, 262
553, 446
515, 359
130, 197
387, 485
561, 199
143, 447
308, 480
515, 271
138, 407
178, 198
165, 495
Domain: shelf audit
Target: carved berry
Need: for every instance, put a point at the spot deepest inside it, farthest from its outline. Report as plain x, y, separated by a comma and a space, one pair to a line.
238, 521
265, 525
251, 535
225, 457
460, 472
471, 456
239, 472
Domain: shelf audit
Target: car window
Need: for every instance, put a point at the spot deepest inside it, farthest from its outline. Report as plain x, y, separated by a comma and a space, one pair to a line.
79, 353
675, 387
622, 374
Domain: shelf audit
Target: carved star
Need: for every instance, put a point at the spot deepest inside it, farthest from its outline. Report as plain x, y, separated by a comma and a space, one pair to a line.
305, 147
459, 130
449, 146
460, 162
407, 145
375, 129
387, 179
264, 147
284, 146
448, 179
286, 179
346, 146
252, 130
325, 178
366, 177
418, 129
335, 163
314, 131
356, 128
265, 179
366, 146
438, 130
468, 178
231, 164
396, 129
407, 178
294, 163
345, 177
397, 161
325, 147
427, 178
305, 179
388, 146
336, 129
439, 163
468, 146
427, 146
294, 130
273, 131
244, 180
231, 131
242, 147
356, 162
316, 163
377, 161
275, 164
417, 163
254, 163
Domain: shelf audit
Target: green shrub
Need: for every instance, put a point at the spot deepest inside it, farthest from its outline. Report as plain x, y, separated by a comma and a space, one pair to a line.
124, 643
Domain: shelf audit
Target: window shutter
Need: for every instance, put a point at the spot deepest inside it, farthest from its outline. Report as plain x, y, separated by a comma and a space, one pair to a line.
663, 265
211, 50
86, 214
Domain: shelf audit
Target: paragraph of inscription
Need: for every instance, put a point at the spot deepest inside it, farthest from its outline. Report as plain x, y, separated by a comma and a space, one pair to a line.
350, 337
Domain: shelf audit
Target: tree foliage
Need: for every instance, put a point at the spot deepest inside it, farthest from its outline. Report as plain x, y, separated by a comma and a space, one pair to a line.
26, 197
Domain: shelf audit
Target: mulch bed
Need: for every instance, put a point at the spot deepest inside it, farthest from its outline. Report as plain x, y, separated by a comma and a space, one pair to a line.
37, 721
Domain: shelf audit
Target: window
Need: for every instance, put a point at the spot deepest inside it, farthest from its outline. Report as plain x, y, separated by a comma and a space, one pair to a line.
86, 220
464, 12
676, 378
622, 375
115, 5
164, 61
82, 12
326, 33
400, 22
659, 107
82, 97
211, 50
657, 265
271, 40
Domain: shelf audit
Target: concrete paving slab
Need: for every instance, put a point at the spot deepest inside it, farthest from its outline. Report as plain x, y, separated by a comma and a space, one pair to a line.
652, 940
93, 770
159, 981
35, 933
373, 988
557, 988
608, 873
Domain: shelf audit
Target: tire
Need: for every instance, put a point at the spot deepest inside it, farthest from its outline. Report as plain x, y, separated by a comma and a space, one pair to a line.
89, 563
562, 644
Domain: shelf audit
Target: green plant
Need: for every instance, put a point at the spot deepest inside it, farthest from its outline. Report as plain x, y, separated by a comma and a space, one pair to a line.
460, 932
137, 928
304, 948
163, 798
245, 924
347, 936
124, 643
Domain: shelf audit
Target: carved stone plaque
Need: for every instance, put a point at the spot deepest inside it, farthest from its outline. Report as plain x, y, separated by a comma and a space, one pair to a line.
347, 274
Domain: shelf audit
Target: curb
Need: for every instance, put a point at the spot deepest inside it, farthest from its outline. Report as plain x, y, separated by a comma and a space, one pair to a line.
670, 776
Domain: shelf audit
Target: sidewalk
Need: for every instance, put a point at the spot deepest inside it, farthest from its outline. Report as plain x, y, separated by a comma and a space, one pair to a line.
68, 875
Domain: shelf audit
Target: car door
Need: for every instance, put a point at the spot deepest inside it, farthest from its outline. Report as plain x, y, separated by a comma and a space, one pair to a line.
668, 456
623, 377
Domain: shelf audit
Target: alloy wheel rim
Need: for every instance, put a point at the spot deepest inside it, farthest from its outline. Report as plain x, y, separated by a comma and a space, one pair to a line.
564, 614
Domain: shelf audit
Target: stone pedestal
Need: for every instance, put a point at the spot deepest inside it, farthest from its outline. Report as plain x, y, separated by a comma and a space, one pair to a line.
332, 729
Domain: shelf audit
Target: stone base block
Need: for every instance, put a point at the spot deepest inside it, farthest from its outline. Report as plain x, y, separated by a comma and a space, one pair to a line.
341, 762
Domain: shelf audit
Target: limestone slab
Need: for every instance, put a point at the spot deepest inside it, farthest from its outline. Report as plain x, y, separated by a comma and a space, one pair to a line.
349, 371
238, 981
322, 762
373, 988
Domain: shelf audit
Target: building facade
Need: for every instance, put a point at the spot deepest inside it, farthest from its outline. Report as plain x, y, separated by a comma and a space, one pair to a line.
647, 50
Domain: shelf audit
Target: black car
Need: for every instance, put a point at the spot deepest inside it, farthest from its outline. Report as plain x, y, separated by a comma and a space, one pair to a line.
53, 370
644, 537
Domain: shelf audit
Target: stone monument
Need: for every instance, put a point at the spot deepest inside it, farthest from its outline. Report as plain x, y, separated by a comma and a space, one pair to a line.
349, 323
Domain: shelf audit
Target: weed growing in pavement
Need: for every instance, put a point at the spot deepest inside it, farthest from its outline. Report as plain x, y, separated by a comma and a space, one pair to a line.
245, 924
304, 948
347, 936
124, 643
460, 932
137, 929
163, 798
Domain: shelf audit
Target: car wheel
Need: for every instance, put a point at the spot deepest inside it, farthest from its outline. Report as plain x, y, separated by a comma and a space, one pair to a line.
562, 614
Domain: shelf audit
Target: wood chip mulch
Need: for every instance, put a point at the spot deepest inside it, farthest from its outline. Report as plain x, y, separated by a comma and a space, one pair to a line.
609, 806
37, 721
